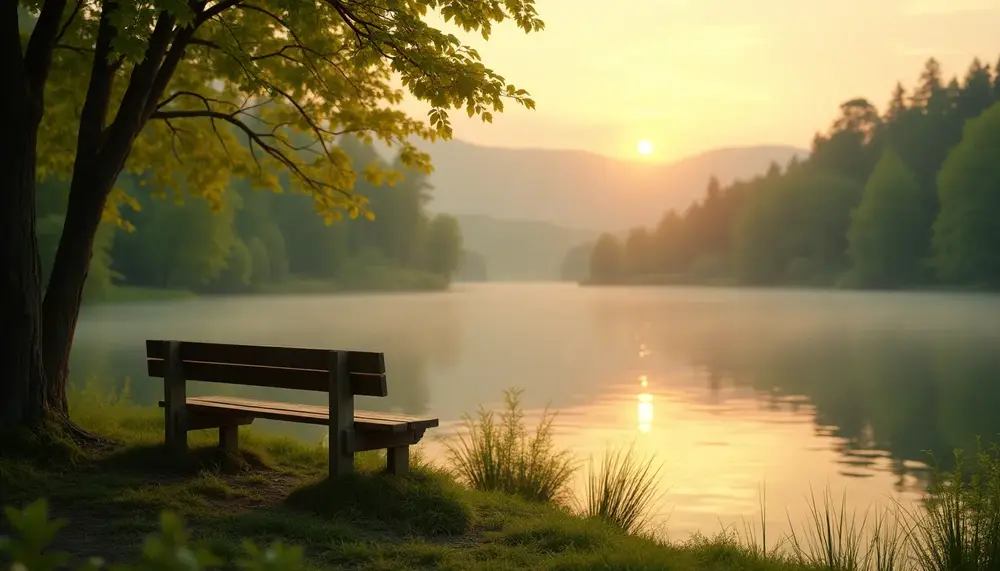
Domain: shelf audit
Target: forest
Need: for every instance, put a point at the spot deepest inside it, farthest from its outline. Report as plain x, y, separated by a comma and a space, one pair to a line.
903, 198
261, 241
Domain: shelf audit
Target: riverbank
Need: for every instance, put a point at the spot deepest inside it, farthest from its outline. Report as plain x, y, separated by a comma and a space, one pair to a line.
682, 280
374, 280
112, 498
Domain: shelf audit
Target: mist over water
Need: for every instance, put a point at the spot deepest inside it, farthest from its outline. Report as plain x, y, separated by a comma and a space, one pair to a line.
731, 389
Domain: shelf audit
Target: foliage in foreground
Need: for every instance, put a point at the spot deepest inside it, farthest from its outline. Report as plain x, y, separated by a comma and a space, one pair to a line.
167, 549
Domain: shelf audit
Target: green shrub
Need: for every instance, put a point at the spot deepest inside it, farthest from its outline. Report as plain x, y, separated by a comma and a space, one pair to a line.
959, 526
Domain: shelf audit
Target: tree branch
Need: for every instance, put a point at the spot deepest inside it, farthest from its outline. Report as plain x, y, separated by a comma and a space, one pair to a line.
38, 56
85, 52
69, 21
131, 113
175, 55
174, 135
94, 115
255, 138
206, 100
215, 10
11, 56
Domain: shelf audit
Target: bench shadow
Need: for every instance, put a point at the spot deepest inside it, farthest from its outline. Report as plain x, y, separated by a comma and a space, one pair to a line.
157, 459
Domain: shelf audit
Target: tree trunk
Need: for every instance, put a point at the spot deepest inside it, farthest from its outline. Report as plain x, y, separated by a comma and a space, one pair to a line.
22, 399
61, 306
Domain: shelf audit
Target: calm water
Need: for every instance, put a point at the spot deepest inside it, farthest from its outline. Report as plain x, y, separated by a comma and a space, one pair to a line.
732, 389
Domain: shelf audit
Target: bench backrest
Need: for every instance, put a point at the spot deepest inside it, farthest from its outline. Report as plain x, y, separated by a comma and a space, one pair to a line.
262, 366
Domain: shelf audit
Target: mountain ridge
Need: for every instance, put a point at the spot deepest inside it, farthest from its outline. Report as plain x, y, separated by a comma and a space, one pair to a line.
581, 189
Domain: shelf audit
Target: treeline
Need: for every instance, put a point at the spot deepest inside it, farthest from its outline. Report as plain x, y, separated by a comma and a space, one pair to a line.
908, 197
263, 241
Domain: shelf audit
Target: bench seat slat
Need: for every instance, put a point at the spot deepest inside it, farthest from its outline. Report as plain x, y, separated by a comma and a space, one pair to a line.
311, 414
293, 411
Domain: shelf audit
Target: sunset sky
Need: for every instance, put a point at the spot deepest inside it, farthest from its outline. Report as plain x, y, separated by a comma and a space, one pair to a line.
690, 75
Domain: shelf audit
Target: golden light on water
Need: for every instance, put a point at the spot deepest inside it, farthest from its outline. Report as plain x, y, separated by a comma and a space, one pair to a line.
645, 412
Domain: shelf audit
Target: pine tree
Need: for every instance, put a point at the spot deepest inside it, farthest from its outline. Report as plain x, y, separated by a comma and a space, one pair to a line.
930, 84
897, 104
996, 81
976, 94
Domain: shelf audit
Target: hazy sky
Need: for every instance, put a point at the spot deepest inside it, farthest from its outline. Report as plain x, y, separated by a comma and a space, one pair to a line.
690, 75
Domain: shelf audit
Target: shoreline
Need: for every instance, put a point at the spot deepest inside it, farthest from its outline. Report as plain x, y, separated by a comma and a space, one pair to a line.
426, 519
131, 294
654, 282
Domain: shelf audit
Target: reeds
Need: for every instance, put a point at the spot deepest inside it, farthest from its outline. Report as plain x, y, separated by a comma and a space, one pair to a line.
623, 491
955, 528
503, 455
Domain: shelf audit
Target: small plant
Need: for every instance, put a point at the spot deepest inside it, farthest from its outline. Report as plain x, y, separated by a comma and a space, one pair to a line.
502, 456
747, 537
168, 550
833, 541
623, 491
959, 526
887, 545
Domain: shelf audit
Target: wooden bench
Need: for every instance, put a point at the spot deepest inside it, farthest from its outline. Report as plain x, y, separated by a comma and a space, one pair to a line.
340, 374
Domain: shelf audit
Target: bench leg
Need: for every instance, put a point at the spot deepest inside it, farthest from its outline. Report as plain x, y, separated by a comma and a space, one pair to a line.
341, 455
397, 460
229, 444
175, 401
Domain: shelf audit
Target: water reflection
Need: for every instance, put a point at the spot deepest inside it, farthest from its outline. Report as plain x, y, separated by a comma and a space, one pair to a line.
885, 377
645, 412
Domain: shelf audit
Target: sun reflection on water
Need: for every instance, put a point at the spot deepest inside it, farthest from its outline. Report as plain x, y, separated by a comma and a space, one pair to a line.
645, 412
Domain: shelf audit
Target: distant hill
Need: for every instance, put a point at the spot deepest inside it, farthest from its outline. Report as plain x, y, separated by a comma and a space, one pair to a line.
520, 250
579, 189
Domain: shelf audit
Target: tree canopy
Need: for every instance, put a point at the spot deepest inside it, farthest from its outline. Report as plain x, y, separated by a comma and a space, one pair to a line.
255, 89
966, 232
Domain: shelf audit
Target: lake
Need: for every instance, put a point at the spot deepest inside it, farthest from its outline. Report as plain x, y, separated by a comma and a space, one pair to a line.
732, 389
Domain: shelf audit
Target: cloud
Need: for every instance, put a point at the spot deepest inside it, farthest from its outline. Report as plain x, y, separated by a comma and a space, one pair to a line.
941, 7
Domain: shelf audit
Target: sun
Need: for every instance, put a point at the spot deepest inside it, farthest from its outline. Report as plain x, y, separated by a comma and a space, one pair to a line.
645, 147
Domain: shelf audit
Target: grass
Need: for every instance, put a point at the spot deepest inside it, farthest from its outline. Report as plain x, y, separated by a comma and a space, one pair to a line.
623, 492
502, 455
112, 499
428, 519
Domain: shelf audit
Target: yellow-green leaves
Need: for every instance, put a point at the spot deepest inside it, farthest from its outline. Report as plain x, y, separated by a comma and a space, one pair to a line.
267, 87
